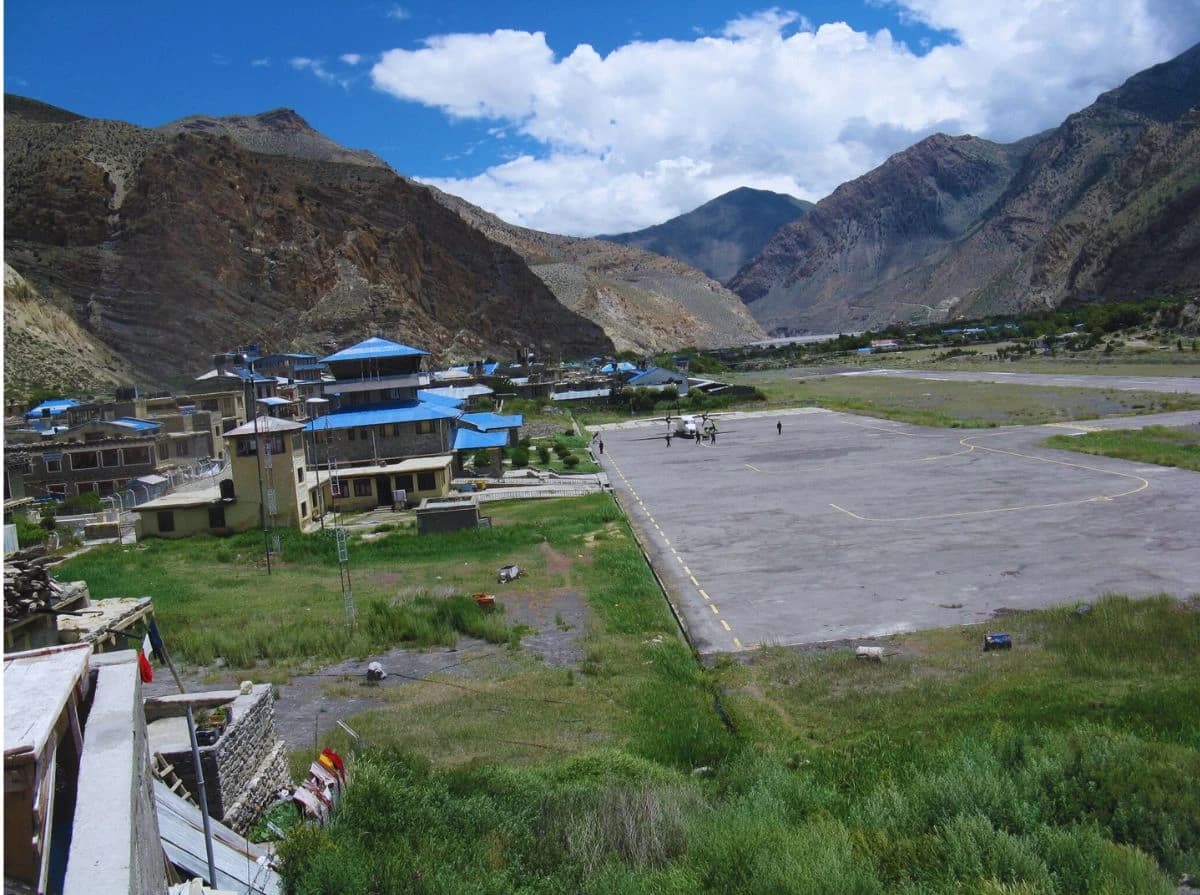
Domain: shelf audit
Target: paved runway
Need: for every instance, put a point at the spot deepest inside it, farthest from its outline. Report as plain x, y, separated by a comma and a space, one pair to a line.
1186, 384
850, 527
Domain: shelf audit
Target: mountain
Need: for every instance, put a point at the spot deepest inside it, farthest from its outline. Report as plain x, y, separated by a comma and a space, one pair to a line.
1107, 205
166, 245
644, 302
722, 234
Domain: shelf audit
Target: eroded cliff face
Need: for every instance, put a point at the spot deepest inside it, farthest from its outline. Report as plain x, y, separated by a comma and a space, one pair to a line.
167, 247
1105, 206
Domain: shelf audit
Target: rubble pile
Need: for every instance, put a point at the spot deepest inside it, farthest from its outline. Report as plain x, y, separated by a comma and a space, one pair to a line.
28, 586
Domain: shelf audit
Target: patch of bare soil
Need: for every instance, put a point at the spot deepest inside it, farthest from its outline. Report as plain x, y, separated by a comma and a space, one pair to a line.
308, 707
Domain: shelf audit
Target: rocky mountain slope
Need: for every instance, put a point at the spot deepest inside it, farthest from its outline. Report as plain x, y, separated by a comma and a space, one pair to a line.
46, 349
1107, 205
168, 245
721, 235
644, 302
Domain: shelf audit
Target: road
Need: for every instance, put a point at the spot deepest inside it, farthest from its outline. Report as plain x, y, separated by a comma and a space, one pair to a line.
1189, 385
847, 527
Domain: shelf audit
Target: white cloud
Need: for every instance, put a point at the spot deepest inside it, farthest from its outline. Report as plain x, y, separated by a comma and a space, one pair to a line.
399, 13
351, 58
317, 67
655, 128
260, 63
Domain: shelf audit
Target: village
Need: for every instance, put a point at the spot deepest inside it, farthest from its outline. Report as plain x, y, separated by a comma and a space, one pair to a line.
264, 441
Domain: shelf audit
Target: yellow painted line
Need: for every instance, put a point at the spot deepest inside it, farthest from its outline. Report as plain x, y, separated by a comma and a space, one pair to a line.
1144, 484
677, 556
755, 468
667, 540
737, 643
725, 625
703, 594
694, 581
713, 607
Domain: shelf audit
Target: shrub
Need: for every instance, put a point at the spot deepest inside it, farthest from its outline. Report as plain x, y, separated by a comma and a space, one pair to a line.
482, 458
561, 449
520, 458
543, 454
570, 461
81, 503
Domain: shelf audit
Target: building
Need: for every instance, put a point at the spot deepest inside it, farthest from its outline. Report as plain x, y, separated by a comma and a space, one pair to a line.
268, 482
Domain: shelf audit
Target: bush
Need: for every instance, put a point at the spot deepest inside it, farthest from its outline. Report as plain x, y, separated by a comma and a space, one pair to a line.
561, 449
570, 461
81, 503
482, 458
520, 458
543, 454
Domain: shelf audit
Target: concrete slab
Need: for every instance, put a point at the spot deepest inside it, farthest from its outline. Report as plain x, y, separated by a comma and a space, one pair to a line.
845, 527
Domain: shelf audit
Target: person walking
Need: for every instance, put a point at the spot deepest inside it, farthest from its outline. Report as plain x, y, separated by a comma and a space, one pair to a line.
602, 445
668, 439
697, 436
779, 427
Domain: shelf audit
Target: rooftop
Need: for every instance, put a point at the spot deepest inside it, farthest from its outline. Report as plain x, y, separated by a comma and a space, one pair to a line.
470, 440
374, 348
265, 425
380, 414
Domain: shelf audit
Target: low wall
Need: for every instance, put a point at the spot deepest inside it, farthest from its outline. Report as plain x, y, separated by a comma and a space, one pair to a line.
245, 768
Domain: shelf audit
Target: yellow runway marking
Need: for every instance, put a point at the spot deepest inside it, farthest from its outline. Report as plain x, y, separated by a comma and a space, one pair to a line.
703, 594
713, 607
1142, 486
677, 556
666, 540
737, 643
694, 581
755, 468
725, 625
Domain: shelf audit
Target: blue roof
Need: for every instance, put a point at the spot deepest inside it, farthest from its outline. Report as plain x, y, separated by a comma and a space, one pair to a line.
313, 366
470, 440
485, 422
623, 367
130, 422
489, 369
380, 414
374, 348
449, 400
54, 405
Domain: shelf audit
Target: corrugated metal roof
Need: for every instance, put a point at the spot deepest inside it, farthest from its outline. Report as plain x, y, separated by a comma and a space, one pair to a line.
435, 398
274, 401
372, 348
470, 440
134, 423
580, 395
367, 415
456, 391
485, 422
54, 405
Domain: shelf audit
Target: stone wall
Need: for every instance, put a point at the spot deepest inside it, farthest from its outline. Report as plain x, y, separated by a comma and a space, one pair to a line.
245, 768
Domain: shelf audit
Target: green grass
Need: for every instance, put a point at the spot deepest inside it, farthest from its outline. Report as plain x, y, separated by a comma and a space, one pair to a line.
1152, 444
212, 596
957, 404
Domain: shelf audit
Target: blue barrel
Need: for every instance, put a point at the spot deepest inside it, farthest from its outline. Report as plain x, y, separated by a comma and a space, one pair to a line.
996, 641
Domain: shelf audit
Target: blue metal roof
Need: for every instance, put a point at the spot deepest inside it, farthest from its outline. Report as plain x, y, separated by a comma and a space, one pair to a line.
485, 422
54, 405
435, 397
623, 367
380, 414
134, 423
470, 440
373, 348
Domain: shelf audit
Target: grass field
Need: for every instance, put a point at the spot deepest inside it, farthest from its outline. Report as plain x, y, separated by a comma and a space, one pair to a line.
956, 404
1153, 444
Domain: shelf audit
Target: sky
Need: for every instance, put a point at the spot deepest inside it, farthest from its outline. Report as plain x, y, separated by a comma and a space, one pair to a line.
585, 118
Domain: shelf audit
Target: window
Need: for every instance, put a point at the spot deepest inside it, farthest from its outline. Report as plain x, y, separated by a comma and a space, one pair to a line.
209, 404
300, 474
135, 456
105, 489
216, 517
304, 509
56, 489
246, 447
424, 427
365, 433
426, 481
110, 457
53, 462
404, 482
181, 448
350, 434
339, 489
85, 460
362, 487
296, 442
85, 487
166, 520
163, 450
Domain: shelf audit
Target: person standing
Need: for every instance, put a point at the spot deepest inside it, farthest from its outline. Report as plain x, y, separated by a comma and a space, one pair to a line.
697, 436
779, 427
602, 445
668, 439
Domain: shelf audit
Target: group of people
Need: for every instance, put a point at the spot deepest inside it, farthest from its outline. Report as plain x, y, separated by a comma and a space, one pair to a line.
710, 432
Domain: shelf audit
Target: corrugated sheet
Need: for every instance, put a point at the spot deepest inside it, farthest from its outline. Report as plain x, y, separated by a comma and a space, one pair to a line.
372, 348
485, 422
470, 440
377, 416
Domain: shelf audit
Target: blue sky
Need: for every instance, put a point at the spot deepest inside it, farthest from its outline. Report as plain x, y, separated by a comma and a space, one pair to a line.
587, 118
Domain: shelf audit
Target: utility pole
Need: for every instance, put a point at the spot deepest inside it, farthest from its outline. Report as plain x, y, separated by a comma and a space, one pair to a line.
252, 407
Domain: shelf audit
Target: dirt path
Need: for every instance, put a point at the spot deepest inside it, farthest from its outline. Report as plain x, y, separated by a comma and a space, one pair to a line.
305, 710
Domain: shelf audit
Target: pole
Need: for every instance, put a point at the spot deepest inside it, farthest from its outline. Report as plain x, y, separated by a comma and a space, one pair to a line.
262, 498
212, 865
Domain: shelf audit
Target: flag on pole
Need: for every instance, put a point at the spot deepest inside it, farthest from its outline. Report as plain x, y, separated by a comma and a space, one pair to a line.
144, 667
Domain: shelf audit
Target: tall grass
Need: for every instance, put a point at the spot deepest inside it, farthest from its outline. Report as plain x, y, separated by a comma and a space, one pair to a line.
1153, 444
